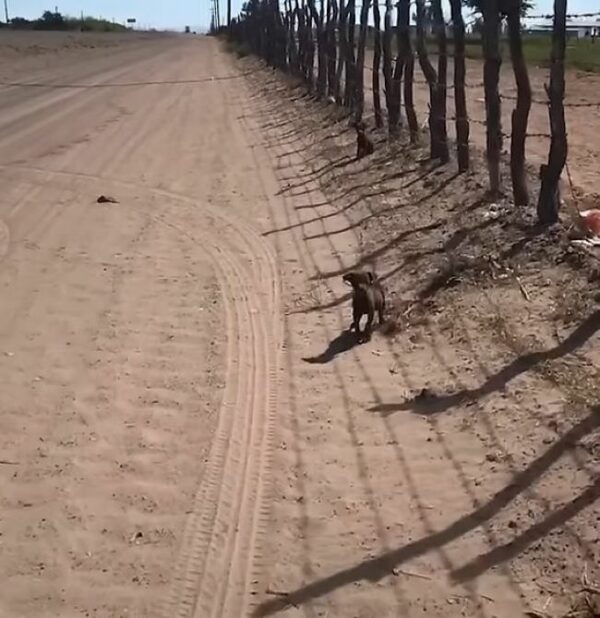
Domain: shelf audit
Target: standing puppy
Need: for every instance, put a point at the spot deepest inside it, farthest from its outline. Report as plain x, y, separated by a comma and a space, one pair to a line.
367, 297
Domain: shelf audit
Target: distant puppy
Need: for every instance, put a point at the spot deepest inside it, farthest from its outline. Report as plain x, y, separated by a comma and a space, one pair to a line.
367, 298
364, 146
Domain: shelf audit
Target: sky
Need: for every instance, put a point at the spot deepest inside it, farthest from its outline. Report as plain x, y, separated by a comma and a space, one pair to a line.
176, 14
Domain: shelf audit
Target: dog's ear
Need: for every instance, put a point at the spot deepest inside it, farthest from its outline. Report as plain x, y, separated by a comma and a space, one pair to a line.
370, 277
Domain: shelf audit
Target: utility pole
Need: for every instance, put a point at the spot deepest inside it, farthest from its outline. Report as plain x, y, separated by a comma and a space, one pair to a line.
213, 17
228, 14
6, 11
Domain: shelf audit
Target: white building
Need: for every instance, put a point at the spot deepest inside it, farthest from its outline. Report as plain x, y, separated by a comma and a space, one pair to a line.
579, 29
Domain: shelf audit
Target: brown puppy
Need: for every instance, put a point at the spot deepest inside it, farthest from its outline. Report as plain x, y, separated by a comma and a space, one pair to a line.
367, 297
364, 146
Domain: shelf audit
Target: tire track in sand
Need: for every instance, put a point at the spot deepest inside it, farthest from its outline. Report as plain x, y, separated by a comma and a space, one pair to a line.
218, 550
4, 239
217, 560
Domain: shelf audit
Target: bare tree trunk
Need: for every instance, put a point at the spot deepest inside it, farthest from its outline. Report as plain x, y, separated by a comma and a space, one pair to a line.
442, 80
460, 99
286, 28
491, 76
392, 103
398, 71
291, 36
310, 49
323, 63
520, 115
377, 64
350, 57
332, 20
406, 55
549, 199
281, 37
360, 60
318, 18
431, 77
343, 37
301, 40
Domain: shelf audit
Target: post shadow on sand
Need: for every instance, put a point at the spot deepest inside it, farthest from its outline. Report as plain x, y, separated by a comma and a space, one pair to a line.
345, 341
429, 403
376, 568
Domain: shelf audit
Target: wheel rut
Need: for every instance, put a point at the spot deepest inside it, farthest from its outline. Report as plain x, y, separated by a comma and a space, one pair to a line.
218, 554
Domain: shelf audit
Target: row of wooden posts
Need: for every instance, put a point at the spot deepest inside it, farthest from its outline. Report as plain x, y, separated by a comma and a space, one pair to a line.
293, 38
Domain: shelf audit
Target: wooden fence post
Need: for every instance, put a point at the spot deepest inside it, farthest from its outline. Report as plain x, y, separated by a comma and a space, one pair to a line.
318, 18
330, 28
392, 103
360, 60
431, 77
349, 89
520, 114
408, 62
442, 81
460, 98
549, 199
491, 76
377, 65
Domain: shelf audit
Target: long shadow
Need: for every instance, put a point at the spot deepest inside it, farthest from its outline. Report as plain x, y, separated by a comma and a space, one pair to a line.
342, 343
445, 182
450, 245
503, 553
337, 212
290, 133
449, 275
315, 175
318, 172
369, 184
297, 151
369, 257
277, 125
375, 569
409, 259
428, 404
350, 227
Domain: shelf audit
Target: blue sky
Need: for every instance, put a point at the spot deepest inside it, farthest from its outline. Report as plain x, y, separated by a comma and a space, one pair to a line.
178, 13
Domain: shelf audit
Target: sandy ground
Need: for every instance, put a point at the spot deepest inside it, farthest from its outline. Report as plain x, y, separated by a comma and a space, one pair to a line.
180, 435
434, 481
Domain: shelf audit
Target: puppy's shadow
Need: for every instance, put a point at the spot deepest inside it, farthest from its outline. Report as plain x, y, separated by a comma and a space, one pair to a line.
345, 341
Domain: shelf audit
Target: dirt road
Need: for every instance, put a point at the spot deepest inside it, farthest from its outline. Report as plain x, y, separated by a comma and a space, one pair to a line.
179, 437
139, 339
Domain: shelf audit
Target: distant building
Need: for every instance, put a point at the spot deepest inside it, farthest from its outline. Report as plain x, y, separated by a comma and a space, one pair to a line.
575, 29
